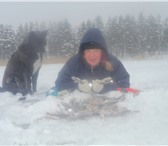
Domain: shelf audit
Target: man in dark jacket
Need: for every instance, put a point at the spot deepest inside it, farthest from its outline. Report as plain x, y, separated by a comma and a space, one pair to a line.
92, 69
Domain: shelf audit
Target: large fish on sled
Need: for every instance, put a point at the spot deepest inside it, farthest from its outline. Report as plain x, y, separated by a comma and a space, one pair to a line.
75, 107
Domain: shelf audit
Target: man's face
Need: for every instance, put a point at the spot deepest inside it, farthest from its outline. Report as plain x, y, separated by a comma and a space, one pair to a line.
93, 56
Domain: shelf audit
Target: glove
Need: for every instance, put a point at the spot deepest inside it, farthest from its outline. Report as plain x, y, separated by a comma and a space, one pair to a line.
83, 85
97, 85
53, 92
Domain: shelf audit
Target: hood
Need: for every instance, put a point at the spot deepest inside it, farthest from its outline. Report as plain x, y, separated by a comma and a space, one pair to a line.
93, 35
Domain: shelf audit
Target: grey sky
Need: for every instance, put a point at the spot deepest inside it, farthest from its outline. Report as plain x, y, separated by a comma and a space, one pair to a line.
16, 13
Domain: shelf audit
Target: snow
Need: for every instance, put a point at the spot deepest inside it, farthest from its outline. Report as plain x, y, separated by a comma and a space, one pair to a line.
26, 123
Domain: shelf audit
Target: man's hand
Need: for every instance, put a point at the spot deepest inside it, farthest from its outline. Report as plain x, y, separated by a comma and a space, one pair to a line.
83, 85
63, 92
97, 85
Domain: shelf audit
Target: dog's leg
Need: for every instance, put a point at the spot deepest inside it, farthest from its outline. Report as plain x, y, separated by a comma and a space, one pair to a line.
12, 84
29, 85
27, 80
1, 89
34, 80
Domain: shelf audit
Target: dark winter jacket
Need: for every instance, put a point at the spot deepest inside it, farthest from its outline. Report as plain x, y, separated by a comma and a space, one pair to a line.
77, 67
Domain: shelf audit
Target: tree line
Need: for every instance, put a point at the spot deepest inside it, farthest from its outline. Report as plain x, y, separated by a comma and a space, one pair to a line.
126, 36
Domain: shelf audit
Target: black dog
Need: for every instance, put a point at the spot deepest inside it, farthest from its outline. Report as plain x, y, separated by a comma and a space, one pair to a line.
23, 67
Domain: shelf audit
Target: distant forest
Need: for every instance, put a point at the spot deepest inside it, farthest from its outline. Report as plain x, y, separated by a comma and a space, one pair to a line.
126, 36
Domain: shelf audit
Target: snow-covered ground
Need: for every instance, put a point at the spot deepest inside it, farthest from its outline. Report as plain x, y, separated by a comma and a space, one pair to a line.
25, 123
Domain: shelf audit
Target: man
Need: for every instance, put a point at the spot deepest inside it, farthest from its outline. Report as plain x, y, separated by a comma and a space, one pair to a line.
92, 69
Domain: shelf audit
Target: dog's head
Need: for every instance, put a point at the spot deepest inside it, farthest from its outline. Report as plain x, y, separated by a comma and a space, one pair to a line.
35, 42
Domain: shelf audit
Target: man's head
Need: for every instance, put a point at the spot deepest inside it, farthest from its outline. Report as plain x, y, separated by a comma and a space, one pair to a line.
92, 53
93, 48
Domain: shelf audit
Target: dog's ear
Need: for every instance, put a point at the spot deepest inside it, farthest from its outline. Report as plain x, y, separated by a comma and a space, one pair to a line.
31, 36
25, 40
38, 34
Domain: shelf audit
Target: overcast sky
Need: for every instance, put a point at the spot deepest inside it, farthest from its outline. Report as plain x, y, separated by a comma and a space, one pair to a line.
16, 13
